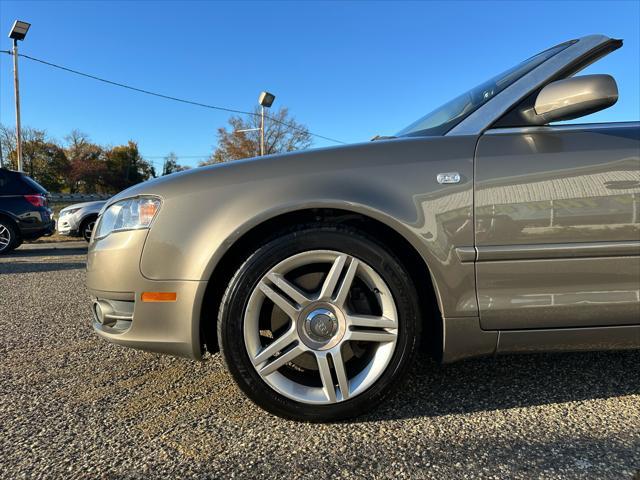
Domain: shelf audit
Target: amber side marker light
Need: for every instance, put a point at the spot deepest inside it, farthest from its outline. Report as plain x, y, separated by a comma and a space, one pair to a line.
159, 296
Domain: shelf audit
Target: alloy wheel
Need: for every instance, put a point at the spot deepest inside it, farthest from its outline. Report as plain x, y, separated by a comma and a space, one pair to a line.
88, 230
320, 327
5, 237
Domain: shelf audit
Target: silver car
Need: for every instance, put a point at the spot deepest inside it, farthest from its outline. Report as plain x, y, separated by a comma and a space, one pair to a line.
483, 228
79, 219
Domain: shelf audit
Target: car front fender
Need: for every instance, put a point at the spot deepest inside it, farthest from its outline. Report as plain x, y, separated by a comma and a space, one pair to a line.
391, 182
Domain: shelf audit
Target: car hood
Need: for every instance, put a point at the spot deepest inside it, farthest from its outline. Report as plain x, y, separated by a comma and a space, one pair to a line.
96, 205
263, 168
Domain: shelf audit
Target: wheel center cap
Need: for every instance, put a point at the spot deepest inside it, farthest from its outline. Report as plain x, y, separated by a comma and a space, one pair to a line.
321, 324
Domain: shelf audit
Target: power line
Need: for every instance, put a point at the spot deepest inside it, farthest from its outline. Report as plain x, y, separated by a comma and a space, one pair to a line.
169, 97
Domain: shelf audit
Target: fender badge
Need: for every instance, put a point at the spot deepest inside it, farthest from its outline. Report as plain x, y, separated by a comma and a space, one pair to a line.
451, 177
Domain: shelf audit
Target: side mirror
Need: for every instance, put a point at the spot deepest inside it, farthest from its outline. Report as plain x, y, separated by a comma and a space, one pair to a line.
575, 97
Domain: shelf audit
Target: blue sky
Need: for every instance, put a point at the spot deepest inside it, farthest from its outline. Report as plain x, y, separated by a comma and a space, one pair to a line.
347, 70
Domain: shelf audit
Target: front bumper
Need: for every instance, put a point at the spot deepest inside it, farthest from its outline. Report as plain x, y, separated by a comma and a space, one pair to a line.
116, 284
67, 226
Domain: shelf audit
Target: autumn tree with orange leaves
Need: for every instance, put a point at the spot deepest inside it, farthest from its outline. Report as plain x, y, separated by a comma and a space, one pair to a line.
282, 134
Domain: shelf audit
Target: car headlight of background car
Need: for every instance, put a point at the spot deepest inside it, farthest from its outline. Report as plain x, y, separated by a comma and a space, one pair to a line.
71, 211
130, 214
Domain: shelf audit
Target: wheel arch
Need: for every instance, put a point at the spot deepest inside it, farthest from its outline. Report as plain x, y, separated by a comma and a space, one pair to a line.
384, 232
10, 218
88, 217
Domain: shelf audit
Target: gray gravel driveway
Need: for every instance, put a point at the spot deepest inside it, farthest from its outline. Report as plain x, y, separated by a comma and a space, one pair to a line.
74, 406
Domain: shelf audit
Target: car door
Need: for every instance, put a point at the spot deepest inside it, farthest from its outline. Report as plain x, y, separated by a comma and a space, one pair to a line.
557, 226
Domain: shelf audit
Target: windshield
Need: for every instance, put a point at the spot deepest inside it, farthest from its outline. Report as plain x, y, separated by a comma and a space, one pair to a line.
444, 118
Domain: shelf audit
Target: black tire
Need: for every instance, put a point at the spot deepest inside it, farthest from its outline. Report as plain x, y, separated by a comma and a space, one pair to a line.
7, 228
84, 228
317, 237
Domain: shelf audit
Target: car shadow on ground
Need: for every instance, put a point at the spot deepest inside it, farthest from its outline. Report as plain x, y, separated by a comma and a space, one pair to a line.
511, 381
46, 251
28, 267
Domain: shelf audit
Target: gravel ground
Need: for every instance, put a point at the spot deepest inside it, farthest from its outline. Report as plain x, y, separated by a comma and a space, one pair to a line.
74, 406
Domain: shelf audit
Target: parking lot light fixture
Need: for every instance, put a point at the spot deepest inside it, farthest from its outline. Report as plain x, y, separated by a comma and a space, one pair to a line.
265, 100
18, 32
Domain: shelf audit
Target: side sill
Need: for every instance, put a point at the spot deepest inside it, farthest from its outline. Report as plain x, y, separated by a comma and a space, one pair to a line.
569, 339
463, 338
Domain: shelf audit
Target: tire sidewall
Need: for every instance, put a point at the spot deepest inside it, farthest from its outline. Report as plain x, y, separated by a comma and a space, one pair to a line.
83, 227
345, 240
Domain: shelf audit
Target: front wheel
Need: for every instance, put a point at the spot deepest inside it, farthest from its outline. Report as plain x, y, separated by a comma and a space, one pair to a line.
87, 228
319, 324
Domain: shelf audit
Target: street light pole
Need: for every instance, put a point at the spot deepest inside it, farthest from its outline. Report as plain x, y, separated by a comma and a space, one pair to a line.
16, 85
261, 130
265, 100
18, 32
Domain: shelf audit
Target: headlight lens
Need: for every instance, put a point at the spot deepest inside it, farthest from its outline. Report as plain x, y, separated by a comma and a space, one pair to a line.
71, 211
129, 214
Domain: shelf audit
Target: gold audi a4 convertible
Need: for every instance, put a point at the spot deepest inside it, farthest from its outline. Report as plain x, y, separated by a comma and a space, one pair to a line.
481, 228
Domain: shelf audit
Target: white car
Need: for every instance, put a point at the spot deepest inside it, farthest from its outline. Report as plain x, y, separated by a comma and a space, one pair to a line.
79, 219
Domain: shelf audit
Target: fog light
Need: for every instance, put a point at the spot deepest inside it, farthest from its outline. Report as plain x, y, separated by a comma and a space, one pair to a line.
97, 309
104, 314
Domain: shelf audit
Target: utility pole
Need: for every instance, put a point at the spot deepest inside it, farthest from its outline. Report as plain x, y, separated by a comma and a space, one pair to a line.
18, 32
16, 85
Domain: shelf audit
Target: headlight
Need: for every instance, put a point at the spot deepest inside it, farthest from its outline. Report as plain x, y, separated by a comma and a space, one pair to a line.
71, 211
129, 214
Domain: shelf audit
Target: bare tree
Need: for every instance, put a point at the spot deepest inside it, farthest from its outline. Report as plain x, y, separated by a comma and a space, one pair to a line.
7, 143
282, 134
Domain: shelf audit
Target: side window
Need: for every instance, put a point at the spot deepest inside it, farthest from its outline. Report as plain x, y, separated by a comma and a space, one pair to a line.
10, 184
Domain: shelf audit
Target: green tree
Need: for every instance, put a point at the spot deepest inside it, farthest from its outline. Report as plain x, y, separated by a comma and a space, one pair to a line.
171, 164
42, 159
81, 166
282, 134
126, 167
48, 164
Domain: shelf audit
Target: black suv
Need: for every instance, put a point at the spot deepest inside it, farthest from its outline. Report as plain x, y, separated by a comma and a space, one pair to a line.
24, 211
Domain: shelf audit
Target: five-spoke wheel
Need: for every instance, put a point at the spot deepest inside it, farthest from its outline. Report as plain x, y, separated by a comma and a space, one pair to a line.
320, 324
87, 228
323, 316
